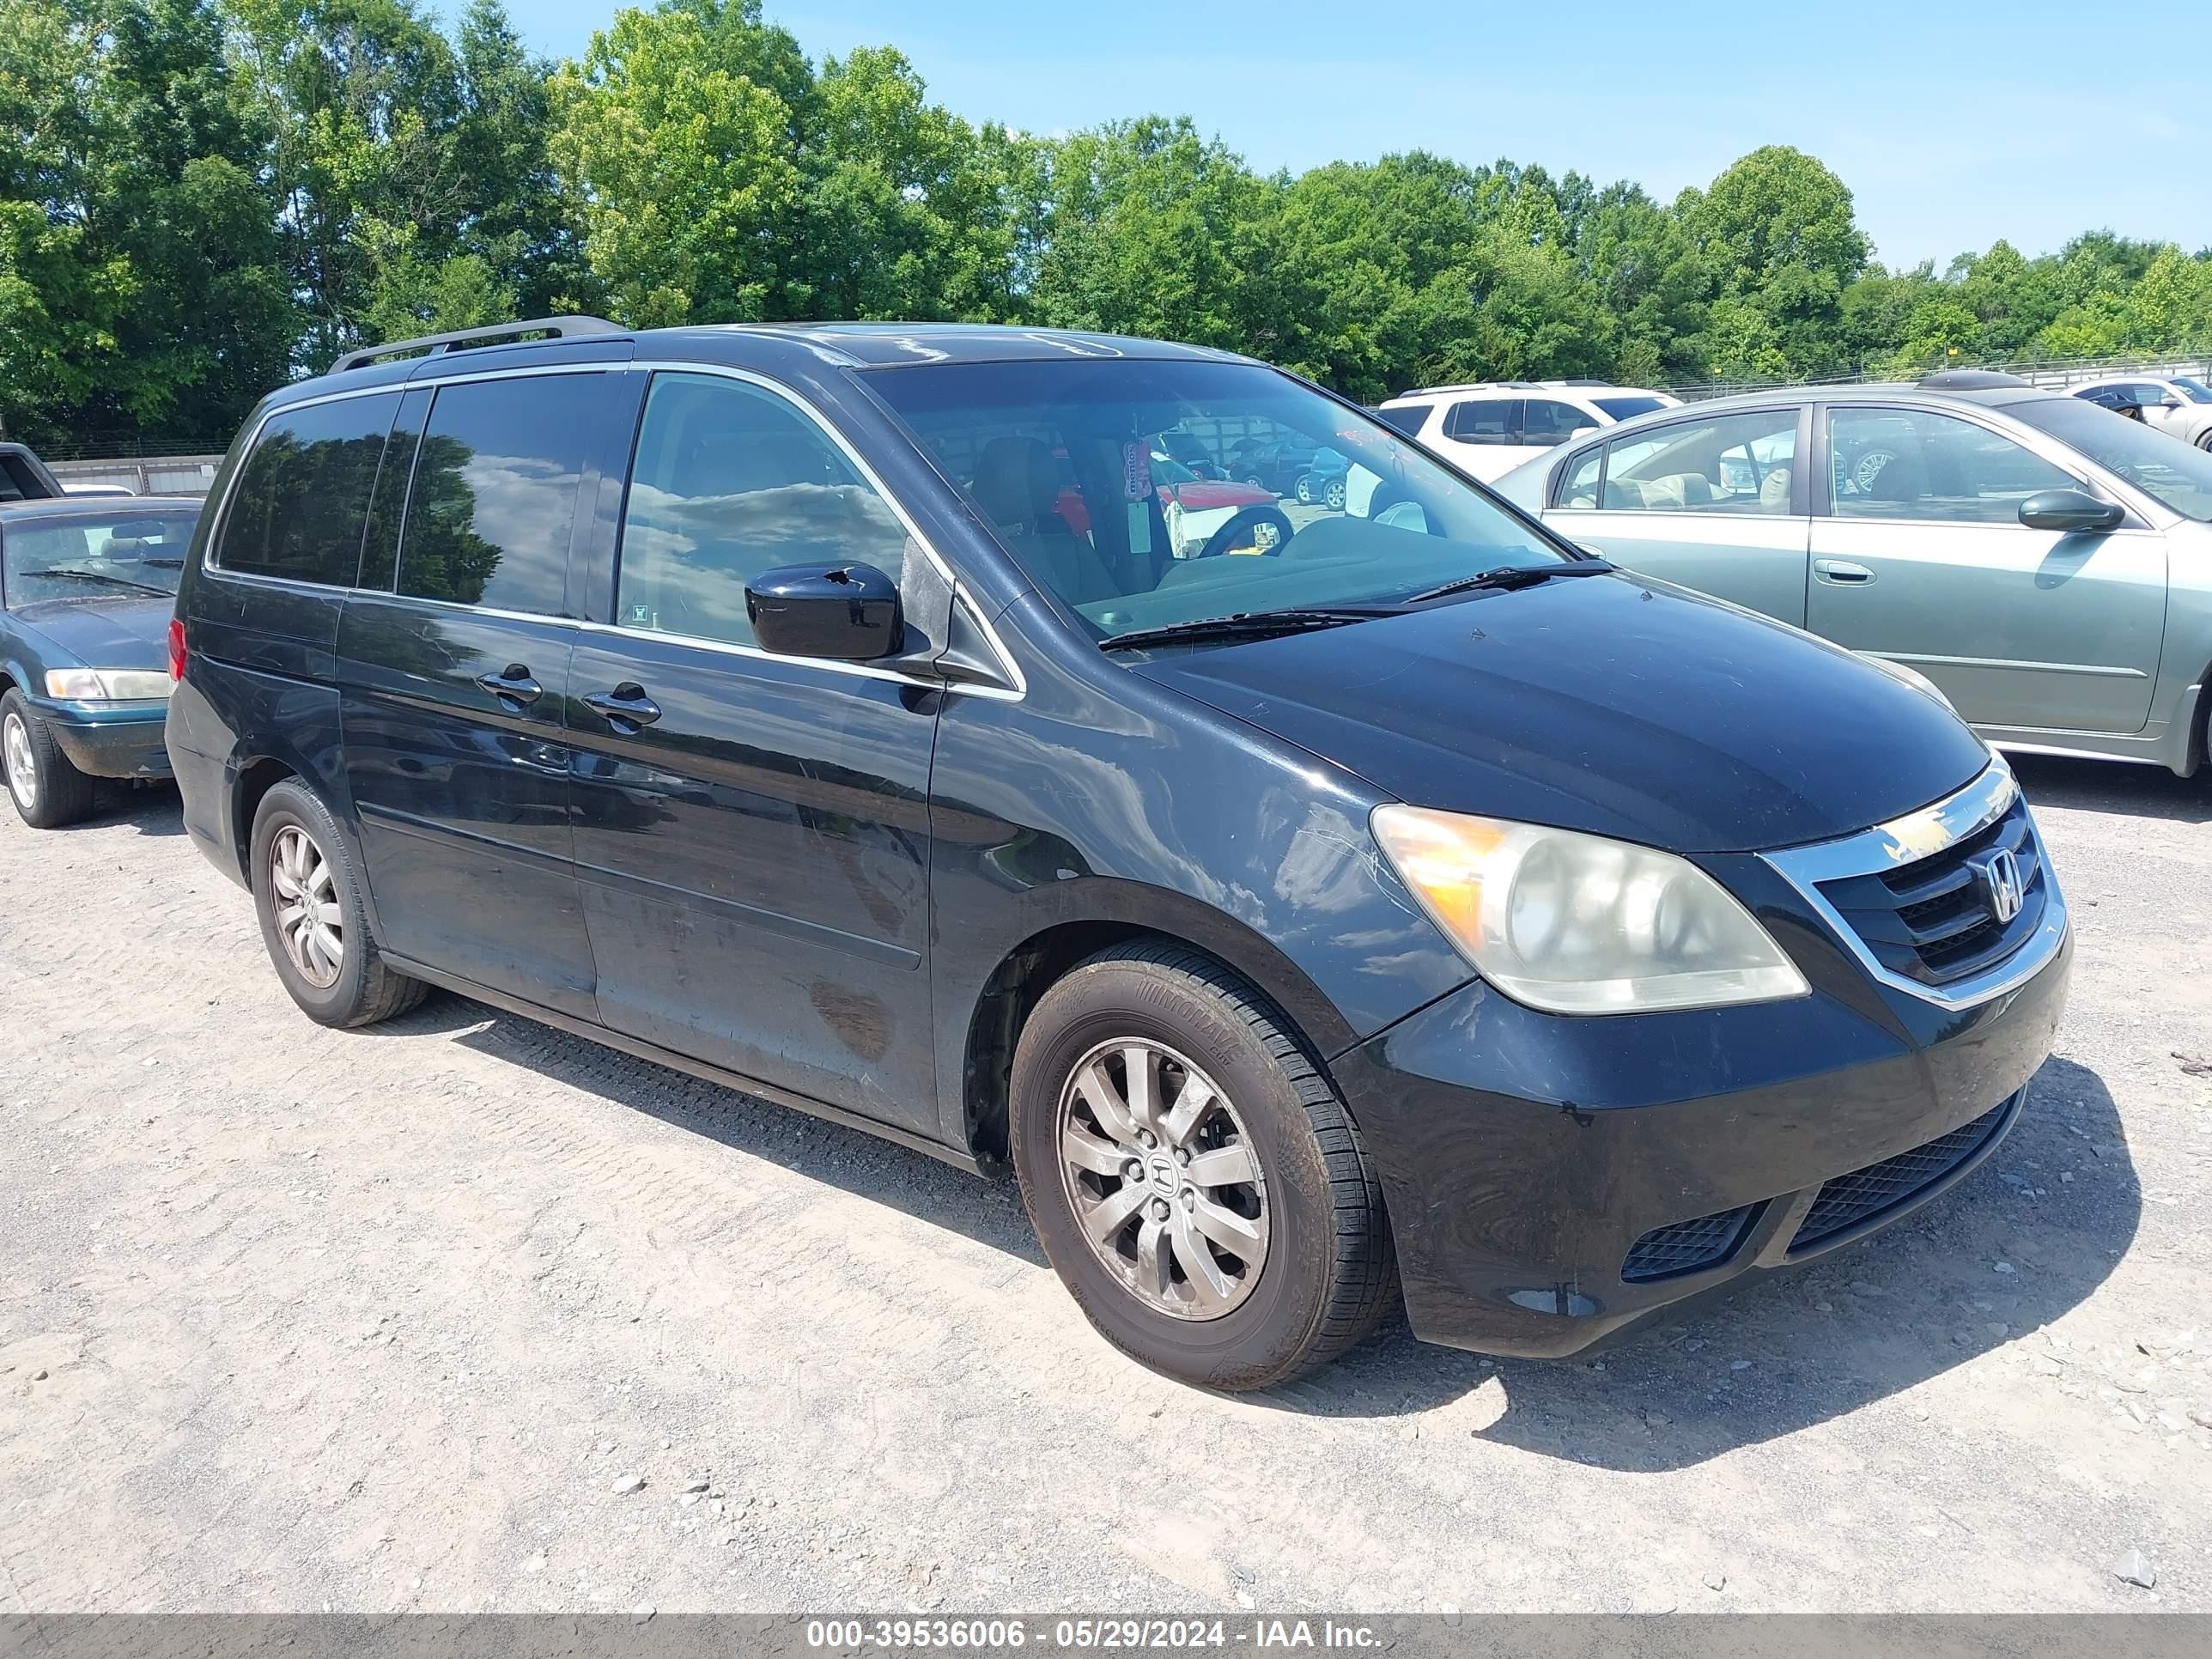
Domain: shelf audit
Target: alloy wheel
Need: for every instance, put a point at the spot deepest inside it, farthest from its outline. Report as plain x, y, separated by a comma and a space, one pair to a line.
1164, 1178
304, 893
22, 769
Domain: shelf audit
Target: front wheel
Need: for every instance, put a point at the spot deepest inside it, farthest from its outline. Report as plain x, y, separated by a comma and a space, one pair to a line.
1192, 1177
307, 894
48, 791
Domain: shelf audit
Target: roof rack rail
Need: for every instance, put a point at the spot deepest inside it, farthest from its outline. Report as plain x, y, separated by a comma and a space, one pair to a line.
435, 345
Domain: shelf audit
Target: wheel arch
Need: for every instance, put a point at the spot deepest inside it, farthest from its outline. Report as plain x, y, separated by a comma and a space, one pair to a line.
1116, 912
253, 781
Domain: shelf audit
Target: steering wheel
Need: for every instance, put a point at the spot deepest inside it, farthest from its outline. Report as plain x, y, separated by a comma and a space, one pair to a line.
1245, 517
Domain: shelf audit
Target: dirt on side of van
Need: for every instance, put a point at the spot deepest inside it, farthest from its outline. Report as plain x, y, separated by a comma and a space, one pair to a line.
468, 1315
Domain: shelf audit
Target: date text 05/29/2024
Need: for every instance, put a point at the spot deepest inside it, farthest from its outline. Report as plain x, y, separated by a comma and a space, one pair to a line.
1104, 1635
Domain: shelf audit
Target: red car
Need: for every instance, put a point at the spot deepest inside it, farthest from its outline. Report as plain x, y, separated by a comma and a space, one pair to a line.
1204, 504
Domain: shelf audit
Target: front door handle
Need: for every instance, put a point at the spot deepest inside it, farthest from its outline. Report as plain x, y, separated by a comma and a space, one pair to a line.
1842, 572
513, 685
626, 708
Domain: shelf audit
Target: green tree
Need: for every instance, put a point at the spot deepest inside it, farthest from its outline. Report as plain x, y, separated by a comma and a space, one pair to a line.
677, 139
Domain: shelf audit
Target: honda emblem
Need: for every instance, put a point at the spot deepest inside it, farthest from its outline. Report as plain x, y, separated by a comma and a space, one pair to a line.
2001, 884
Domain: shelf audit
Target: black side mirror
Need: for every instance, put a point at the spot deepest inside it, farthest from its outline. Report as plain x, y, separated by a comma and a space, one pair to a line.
848, 613
2071, 511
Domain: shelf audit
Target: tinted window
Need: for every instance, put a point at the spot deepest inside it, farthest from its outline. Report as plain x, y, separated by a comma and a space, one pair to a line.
2195, 390
1490, 421
1403, 417
1545, 423
303, 492
493, 501
1623, 408
387, 504
731, 481
108, 555
1912, 464
1717, 464
2156, 463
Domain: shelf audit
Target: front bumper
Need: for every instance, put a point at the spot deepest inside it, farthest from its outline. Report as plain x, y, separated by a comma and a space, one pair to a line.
119, 740
1553, 1182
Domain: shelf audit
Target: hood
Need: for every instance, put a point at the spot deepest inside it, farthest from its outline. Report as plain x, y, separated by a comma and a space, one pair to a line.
1607, 704
1198, 495
128, 631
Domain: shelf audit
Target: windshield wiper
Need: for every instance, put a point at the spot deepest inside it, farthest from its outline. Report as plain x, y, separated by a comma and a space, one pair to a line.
163, 564
1507, 577
1248, 624
97, 576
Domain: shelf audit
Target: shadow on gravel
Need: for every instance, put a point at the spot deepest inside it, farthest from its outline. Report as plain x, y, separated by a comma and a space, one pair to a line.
988, 1210
1872, 1320
151, 809
2148, 792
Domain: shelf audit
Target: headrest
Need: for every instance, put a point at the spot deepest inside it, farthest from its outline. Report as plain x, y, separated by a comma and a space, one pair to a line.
1016, 483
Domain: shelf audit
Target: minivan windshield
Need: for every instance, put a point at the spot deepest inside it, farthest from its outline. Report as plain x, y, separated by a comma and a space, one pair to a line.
81, 555
1058, 457
2158, 463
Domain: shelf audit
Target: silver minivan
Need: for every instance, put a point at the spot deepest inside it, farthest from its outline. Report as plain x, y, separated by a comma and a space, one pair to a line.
2044, 563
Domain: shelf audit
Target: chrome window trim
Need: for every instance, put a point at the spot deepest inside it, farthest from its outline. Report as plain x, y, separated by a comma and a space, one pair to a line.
1914, 837
960, 592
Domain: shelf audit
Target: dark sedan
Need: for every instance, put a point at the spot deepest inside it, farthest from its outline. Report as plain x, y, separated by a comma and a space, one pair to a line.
87, 591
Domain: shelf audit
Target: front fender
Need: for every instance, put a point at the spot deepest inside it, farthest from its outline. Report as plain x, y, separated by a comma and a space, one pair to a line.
1101, 796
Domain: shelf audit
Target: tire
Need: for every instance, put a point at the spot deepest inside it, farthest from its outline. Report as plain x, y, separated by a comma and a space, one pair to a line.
358, 989
1303, 490
47, 790
1324, 1274
1255, 481
1333, 497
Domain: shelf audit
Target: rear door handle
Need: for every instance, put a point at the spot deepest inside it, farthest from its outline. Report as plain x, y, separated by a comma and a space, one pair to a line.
1842, 572
626, 708
514, 684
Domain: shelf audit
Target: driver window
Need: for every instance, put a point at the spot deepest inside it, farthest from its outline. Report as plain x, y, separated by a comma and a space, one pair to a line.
730, 482
1917, 464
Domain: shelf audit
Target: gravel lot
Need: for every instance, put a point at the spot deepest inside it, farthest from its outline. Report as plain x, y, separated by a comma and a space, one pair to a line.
292, 1320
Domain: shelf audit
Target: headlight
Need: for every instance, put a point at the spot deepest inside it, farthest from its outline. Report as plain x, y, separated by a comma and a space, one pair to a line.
108, 684
1576, 924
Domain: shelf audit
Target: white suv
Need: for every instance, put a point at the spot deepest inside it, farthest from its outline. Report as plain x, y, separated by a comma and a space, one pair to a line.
1487, 429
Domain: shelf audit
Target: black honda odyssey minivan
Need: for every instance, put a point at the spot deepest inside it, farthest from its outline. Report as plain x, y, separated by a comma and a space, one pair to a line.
1314, 906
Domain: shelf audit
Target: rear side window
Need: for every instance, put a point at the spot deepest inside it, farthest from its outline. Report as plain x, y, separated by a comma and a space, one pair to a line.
1546, 421
1403, 417
1490, 421
303, 493
1736, 464
731, 481
493, 507
1579, 487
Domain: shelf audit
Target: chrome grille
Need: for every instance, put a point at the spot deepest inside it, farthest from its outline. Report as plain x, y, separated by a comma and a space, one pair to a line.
1934, 920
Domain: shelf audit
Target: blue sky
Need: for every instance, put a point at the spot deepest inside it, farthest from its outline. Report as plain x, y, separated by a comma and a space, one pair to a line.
1954, 122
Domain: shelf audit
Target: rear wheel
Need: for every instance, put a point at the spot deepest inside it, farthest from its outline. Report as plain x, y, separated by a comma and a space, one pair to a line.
1192, 1177
307, 894
47, 790
1333, 498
